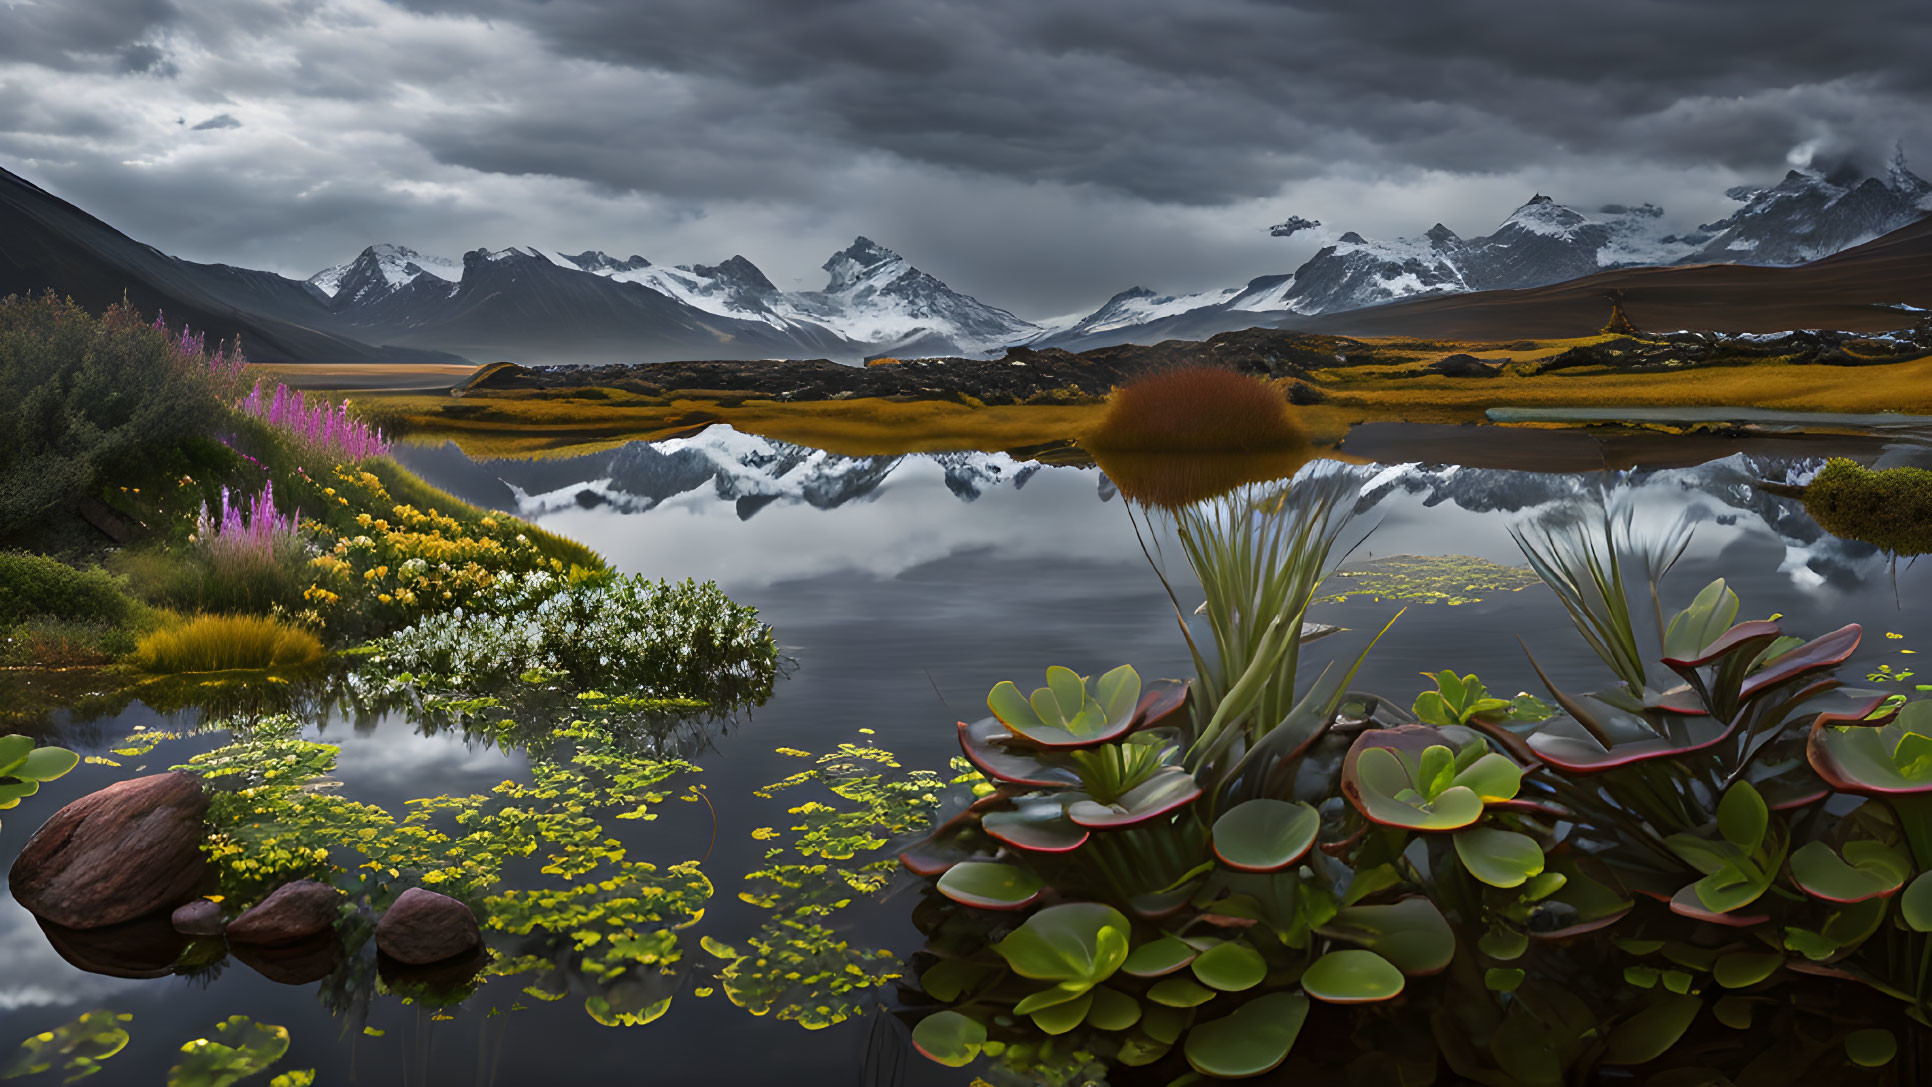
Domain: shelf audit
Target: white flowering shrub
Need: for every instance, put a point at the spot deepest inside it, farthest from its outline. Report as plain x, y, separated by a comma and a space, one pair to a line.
622, 635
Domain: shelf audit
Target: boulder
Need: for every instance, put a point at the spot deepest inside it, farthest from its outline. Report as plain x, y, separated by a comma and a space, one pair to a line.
303, 962
423, 927
147, 947
128, 850
199, 918
296, 911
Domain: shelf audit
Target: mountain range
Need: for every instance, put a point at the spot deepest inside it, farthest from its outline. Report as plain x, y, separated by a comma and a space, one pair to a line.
1805, 217
391, 303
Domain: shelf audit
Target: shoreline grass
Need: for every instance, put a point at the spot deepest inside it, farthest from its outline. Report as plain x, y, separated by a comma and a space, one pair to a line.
560, 423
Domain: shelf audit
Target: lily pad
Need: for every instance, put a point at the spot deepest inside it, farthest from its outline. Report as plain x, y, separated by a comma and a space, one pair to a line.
1079, 943
1915, 905
989, 885
1166, 792
1113, 1009
949, 1038
1500, 858
988, 745
1651, 1032
1411, 933
1353, 976
1180, 992
1253, 1039
1265, 835
1158, 958
1868, 869
1741, 969
1037, 826
1873, 1047
1230, 967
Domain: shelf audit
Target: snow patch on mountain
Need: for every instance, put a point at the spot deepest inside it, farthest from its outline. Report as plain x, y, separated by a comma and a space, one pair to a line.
754, 472
380, 269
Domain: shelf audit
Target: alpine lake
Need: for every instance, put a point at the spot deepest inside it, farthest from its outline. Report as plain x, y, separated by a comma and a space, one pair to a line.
720, 898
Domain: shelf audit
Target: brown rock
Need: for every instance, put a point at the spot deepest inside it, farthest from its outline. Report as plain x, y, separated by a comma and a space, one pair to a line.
199, 918
300, 963
296, 911
117, 854
423, 927
147, 947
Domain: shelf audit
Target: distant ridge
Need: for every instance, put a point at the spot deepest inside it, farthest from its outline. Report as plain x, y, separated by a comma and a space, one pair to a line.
45, 242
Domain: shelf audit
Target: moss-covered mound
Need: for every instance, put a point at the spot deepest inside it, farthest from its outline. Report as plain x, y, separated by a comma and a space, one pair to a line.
1889, 508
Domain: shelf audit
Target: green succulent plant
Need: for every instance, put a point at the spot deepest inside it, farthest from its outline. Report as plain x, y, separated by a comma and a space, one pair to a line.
24, 767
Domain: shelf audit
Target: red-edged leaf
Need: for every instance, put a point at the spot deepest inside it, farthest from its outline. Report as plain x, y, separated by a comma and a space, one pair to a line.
1825, 651
1764, 631
1162, 705
988, 746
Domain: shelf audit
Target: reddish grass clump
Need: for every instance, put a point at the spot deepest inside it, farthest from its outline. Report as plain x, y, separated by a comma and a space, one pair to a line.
1196, 409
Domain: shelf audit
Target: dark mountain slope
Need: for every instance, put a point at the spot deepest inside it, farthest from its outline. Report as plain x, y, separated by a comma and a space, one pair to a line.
46, 242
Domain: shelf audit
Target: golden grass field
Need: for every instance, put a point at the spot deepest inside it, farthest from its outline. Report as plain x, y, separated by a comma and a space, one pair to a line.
553, 423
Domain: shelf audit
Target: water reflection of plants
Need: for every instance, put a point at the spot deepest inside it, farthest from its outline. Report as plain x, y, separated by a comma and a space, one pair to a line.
238, 1048
1657, 874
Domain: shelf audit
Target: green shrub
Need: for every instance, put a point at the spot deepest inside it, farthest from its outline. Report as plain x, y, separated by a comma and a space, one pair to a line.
35, 585
1889, 508
220, 643
88, 397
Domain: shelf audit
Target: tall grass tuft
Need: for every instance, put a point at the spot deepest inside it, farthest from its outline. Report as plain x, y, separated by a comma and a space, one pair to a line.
1260, 553
321, 430
221, 643
1196, 409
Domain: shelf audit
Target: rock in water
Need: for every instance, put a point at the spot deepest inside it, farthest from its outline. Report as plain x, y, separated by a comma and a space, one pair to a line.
128, 850
199, 918
294, 912
424, 927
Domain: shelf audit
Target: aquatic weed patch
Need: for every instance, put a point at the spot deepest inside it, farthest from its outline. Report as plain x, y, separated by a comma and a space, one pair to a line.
833, 851
1426, 579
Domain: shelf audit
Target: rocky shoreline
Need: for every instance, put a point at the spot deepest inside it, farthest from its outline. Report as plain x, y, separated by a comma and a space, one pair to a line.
1023, 375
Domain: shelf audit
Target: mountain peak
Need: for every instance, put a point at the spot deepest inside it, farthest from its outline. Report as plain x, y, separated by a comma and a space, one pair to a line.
380, 269
739, 273
851, 264
596, 260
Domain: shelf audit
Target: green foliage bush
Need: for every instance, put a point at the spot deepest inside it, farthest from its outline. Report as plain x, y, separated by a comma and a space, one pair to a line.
1889, 508
86, 397
35, 585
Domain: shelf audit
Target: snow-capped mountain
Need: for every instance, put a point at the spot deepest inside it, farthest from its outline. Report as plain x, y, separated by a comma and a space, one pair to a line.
1808, 215
720, 463
1804, 217
379, 271
874, 303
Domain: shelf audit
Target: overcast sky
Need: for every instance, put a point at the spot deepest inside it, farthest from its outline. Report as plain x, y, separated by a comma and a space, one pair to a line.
1040, 154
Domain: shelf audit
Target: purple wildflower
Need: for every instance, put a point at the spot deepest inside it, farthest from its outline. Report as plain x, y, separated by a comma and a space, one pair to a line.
321, 429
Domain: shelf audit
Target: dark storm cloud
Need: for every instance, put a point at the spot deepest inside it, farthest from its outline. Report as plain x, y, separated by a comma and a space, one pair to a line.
80, 33
1219, 99
1040, 153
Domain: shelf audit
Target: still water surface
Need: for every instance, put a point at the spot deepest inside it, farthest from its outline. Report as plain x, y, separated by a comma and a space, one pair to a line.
902, 588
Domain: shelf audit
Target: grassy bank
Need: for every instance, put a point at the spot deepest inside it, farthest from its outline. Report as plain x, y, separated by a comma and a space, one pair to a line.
246, 526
